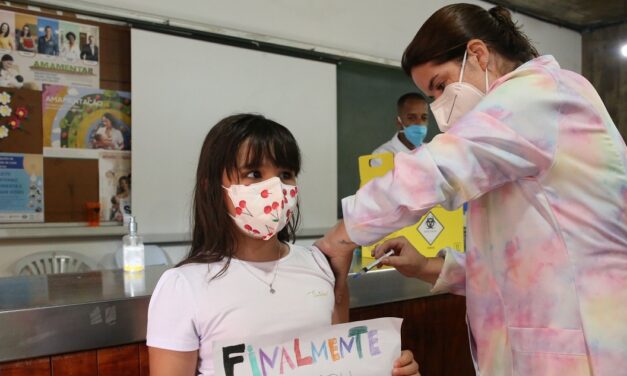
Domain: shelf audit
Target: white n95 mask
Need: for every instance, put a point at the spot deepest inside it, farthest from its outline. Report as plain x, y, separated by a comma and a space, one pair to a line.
263, 209
456, 100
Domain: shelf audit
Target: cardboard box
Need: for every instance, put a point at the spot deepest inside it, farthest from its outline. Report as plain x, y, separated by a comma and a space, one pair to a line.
437, 229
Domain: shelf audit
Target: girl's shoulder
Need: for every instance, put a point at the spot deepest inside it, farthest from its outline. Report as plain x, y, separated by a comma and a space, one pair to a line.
312, 257
200, 271
190, 276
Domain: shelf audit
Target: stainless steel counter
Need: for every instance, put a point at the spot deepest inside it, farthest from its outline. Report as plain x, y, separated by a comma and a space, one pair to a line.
47, 315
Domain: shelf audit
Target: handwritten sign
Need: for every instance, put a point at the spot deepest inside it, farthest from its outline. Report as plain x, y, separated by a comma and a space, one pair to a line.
360, 348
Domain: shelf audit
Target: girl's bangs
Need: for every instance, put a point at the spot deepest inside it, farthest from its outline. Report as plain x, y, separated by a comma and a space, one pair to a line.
280, 150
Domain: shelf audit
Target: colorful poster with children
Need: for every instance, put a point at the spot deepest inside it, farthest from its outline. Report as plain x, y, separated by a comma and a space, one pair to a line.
86, 118
21, 188
115, 185
40, 50
361, 348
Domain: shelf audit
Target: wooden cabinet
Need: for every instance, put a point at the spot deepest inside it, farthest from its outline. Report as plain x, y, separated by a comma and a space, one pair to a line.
143, 360
112, 361
434, 329
31, 367
119, 361
75, 364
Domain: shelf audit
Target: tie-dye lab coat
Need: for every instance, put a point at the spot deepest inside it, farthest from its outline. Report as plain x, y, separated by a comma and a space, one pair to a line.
545, 274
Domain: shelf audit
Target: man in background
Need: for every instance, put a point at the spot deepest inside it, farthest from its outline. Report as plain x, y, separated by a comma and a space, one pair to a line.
411, 123
90, 50
47, 43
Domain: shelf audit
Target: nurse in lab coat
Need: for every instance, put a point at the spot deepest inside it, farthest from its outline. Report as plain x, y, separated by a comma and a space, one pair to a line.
533, 150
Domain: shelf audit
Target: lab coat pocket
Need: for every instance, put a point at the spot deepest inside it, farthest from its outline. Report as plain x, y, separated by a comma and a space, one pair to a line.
548, 351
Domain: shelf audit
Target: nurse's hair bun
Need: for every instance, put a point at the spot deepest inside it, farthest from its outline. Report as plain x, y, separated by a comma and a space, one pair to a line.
445, 35
503, 18
512, 37
500, 12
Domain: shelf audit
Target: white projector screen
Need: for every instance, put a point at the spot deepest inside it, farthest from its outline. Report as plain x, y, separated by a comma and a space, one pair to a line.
182, 87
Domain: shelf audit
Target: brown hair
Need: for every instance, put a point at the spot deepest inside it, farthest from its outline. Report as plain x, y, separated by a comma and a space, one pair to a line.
443, 37
214, 235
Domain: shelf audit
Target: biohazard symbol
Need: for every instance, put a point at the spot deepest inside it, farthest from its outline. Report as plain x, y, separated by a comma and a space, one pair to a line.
430, 223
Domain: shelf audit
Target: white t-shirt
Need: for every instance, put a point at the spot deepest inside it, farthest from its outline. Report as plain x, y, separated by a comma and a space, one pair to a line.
188, 311
71, 53
394, 145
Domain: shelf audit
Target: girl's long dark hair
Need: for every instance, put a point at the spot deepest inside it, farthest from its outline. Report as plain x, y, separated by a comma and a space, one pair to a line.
6, 33
26, 35
214, 235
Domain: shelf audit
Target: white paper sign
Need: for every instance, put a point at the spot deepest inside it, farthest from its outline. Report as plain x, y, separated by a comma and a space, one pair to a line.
361, 348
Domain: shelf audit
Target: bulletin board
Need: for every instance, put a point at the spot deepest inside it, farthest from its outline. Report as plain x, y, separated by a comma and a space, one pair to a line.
358, 115
56, 80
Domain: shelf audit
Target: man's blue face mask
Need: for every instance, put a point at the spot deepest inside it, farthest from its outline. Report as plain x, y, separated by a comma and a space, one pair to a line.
415, 133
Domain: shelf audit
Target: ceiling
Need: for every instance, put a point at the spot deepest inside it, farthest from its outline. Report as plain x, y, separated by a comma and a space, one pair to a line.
580, 15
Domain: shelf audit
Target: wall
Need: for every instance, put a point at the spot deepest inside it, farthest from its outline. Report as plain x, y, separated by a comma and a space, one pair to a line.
606, 68
299, 93
372, 29
375, 28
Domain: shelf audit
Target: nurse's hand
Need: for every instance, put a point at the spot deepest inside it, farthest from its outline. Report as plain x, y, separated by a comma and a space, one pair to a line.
405, 365
408, 261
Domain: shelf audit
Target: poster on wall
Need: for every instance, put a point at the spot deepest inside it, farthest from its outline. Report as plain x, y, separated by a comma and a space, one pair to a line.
20, 121
115, 185
40, 50
86, 118
21, 188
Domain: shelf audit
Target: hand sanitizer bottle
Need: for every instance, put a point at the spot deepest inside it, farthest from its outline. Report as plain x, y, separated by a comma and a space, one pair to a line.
133, 249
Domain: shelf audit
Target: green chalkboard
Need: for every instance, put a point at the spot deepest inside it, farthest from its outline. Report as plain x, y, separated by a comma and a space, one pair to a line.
366, 95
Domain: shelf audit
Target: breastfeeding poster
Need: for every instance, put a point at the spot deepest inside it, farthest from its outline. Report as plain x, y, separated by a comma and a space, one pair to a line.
115, 185
21, 188
86, 118
361, 348
39, 50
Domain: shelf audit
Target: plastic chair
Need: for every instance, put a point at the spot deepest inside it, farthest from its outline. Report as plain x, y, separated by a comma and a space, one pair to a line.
153, 255
54, 262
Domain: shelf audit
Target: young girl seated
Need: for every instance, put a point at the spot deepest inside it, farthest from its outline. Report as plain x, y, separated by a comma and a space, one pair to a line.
242, 278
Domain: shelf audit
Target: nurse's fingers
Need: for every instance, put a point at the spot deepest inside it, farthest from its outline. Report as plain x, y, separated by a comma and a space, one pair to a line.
397, 244
407, 260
